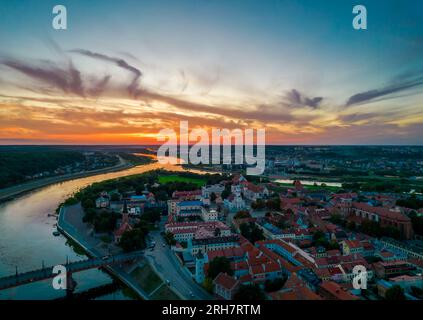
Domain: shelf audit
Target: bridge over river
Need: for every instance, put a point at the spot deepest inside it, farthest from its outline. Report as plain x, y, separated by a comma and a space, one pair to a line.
19, 279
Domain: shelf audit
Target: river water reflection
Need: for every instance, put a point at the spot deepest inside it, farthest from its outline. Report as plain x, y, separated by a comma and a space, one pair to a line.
26, 239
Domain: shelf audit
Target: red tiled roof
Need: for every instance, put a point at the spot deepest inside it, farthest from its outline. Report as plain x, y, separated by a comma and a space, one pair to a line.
386, 254
228, 253
181, 231
302, 293
122, 229
381, 211
322, 272
246, 278
237, 266
416, 262
236, 179
225, 281
344, 195
254, 188
179, 194
295, 289
337, 291
334, 259
353, 244
281, 243
204, 224
334, 252
322, 262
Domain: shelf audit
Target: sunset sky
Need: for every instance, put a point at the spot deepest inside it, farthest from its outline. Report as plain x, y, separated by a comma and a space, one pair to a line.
124, 70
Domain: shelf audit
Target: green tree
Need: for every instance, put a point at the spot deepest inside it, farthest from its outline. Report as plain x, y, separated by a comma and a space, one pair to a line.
226, 192
88, 203
250, 293
318, 235
133, 240
412, 203
213, 197
417, 223
351, 225
273, 204
90, 215
259, 204
373, 259
395, 293
70, 201
218, 265
251, 232
151, 215
208, 284
336, 218
105, 222
19, 163
217, 232
242, 214
170, 238
417, 292
115, 197
274, 285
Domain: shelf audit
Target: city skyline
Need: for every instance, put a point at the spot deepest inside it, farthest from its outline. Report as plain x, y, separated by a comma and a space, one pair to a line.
122, 72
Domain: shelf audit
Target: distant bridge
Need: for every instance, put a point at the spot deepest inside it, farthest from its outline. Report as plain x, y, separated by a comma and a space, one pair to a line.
19, 279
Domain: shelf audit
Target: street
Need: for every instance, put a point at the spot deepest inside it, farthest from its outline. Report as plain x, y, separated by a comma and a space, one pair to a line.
165, 262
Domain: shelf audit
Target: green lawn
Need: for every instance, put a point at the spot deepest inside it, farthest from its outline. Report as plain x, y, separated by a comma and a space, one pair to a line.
146, 278
150, 281
165, 293
175, 178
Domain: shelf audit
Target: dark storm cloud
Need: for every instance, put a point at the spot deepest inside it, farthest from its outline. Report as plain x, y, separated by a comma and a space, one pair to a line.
133, 86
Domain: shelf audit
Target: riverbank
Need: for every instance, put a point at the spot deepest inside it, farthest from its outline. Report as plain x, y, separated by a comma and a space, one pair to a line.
65, 224
26, 225
12, 192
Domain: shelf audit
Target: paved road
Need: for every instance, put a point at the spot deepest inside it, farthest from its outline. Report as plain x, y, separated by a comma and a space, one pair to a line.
162, 258
165, 262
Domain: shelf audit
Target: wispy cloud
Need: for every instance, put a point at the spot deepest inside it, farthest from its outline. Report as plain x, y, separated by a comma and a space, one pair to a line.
296, 99
400, 84
123, 109
66, 78
133, 86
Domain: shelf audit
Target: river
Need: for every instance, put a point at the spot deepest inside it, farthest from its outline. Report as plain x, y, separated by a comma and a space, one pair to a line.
310, 182
26, 240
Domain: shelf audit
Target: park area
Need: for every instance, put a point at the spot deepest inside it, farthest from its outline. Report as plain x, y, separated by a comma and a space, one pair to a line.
175, 178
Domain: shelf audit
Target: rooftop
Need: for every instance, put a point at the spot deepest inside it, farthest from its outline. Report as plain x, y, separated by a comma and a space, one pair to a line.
225, 281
